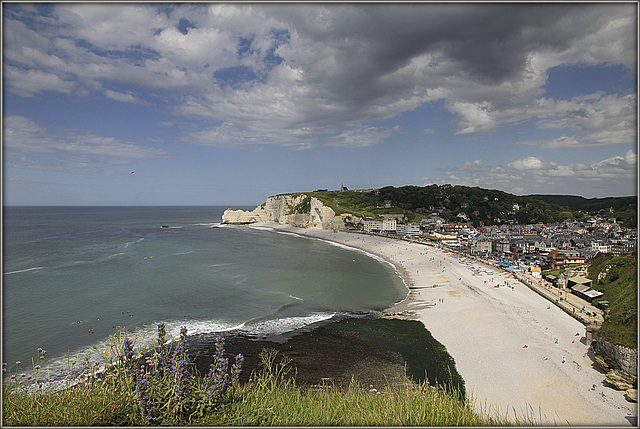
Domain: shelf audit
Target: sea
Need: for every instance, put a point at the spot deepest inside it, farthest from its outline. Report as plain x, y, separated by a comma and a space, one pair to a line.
73, 277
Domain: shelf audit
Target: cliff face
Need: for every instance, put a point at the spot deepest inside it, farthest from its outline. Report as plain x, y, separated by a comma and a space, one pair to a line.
294, 209
617, 359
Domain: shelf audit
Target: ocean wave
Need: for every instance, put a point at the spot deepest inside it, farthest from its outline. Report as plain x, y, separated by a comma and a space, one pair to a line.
263, 228
211, 224
99, 260
24, 271
284, 325
133, 242
183, 253
63, 370
144, 337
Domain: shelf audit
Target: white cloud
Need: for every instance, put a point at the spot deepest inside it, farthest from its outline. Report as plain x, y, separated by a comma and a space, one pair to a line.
476, 117
30, 145
615, 176
530, 163
311, 71
28, 83
124, 97
363, 137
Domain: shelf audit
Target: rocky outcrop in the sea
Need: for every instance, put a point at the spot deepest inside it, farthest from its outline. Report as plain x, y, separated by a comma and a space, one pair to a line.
298, 210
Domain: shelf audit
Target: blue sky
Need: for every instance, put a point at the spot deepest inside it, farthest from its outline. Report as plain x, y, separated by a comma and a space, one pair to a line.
227, 104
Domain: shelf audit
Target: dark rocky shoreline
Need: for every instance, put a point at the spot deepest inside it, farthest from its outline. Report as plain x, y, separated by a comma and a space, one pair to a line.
370, 350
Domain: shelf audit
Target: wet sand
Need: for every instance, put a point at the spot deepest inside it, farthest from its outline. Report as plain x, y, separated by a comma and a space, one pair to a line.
519, 356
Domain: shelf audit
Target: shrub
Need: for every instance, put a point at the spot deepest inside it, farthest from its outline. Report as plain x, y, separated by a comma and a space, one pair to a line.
169, 390
164, 386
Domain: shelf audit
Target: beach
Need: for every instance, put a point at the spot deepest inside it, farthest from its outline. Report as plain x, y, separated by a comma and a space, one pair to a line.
519, 355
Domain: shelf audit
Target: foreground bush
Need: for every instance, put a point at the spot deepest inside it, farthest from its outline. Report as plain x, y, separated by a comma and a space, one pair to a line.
162, 387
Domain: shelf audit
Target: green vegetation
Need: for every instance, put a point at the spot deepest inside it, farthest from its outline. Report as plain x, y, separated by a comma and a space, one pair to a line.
480, 206
304, 206
424, 358
620, 288
86, 406
270, 401
270, 398
624, 209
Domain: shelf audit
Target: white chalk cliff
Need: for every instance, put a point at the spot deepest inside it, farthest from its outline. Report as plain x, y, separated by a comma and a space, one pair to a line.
294, 209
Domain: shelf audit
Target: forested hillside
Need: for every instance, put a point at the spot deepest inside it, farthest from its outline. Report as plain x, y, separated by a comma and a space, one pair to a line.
624, 209
453, 203
477, 205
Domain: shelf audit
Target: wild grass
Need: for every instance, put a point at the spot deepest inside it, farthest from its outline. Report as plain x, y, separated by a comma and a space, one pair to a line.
145, 391
272, 399
83, 406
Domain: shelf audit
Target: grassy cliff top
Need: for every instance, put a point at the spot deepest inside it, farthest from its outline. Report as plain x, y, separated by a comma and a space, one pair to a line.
486, 206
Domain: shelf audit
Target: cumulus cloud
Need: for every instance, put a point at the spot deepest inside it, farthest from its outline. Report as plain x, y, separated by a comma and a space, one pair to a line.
280, 72
363, 137
24, 141
608, 177
120, 96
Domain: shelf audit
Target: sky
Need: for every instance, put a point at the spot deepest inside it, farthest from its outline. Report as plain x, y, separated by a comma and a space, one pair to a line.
230, 103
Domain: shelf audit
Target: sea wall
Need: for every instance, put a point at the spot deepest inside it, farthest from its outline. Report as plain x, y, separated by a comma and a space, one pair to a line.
297, 210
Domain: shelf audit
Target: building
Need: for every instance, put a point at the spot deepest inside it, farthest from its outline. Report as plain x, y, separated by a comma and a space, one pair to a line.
377, 226
456, 227
556, 258
601, 246
373, 226
574, 281
481, 244
410, 229
389, 225
572, 257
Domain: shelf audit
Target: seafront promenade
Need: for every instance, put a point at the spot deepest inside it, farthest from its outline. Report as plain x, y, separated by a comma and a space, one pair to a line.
578, 308
583, 311
518, 354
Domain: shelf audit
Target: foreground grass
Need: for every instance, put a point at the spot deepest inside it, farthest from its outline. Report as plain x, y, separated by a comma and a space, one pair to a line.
270, 398
353, 407
85, 406
251, 405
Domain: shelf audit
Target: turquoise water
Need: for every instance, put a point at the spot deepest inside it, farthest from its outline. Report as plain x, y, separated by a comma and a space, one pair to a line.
73, 275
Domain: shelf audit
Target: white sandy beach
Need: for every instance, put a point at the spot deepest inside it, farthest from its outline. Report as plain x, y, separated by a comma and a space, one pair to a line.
486, 329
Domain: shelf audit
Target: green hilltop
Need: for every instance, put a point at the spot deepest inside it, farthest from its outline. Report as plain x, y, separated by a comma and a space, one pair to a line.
480, 206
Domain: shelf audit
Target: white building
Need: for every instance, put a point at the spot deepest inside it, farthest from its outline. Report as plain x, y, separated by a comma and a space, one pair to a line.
373, 226
601, 246
408, 229
389, 225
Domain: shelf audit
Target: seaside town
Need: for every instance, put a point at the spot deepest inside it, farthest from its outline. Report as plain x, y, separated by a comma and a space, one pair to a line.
544, 246
527, 251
